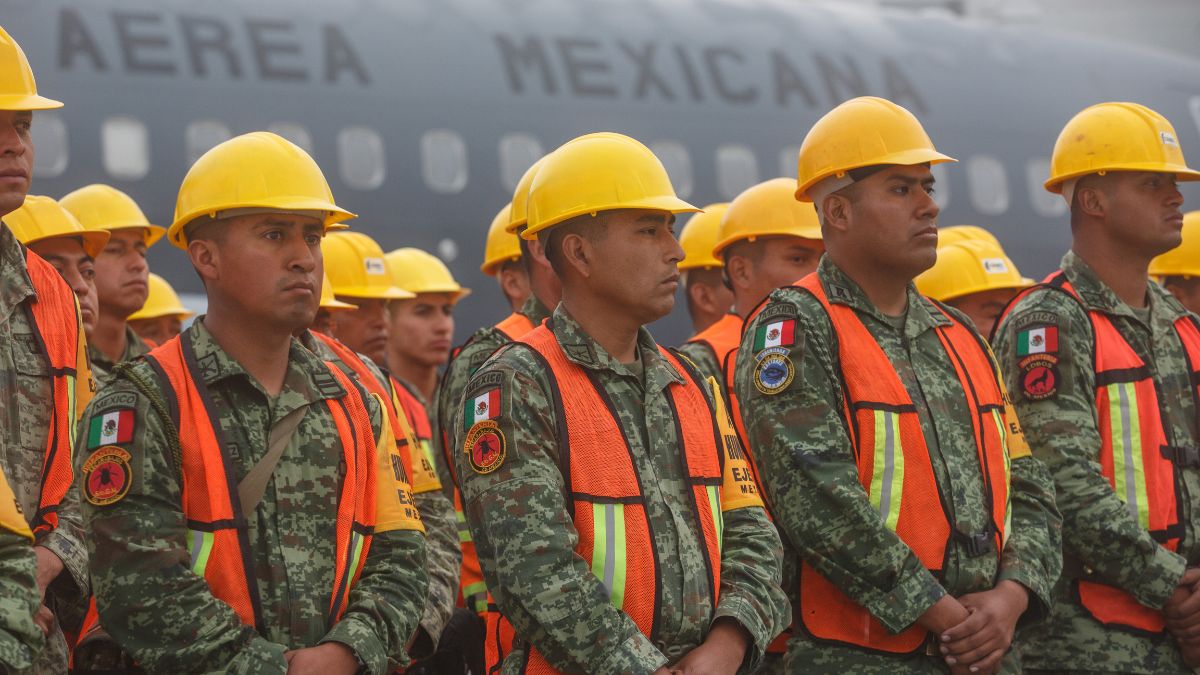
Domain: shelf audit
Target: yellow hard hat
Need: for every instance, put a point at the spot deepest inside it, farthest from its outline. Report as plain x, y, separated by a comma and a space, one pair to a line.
18, 89
103, 207
768, 209
327, 299
43, 218
599, 172
969, 266
864, 131
1116, 137
502, 246
519, 215
1183, 260
699, 235
416, 271
956, 233
355, 267
161, 301
259, 170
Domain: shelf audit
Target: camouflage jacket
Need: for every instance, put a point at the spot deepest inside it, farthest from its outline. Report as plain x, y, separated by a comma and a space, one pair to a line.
1099, 533
157, 609
25, 412
526, 539
705, 358
20, 637
437, 514
807, 463
102, 367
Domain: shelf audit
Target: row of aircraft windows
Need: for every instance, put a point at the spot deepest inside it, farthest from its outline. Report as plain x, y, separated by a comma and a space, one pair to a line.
362, 161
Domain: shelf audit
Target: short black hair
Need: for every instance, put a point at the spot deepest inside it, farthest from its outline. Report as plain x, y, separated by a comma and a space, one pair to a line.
584, 225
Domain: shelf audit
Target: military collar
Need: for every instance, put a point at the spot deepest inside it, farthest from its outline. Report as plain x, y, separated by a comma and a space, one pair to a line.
308, 378
534, 310
1097, 296
922, 314
15, 285
135, 346
583, 351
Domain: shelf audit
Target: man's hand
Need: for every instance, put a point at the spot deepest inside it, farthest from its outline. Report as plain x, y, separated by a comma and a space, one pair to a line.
44, 619
49, 566
981, 641
721, 654
944, 614
331, 658
1182, 610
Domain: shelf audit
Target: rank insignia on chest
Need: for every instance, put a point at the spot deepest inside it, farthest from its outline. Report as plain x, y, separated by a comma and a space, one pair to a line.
106, 476
483, 406
1037, 340
112, 427
485, 447
773, 372
781, 333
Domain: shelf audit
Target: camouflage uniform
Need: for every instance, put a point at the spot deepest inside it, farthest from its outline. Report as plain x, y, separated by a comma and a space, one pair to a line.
706, 361
526, 539
164, 614
807, 463
1099, 533
437, 514
102, 366
25, 413
20, 637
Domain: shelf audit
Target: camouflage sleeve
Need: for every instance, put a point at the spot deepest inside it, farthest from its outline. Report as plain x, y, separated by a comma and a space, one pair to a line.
1060, 425
806, 461
443, 564
525, 538
1033, 554
381, 614
149, 600
449, 399
20, 638
705, 360
751, 581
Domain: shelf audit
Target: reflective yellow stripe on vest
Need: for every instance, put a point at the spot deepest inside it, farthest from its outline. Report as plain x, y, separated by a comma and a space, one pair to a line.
199, 547
464, 532
1129, 468
475, 596
608, 556
887, 477
714, 503
998, 420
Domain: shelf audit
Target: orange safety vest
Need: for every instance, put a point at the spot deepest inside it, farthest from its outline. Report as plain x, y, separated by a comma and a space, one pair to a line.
1135, 452
217, 530
720, 338
895, 469
606, 499
56, 327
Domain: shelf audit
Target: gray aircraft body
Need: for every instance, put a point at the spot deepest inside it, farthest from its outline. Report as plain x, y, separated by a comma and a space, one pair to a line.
424, 113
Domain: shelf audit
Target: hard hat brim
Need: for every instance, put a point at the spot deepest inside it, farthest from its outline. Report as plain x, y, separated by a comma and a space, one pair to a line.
514, 225
1025, 282
730, 241
181, 312
93, 240
376, 293
335, 305
664, 203
335, 214
1182, 173
153, 232
492, 267
910, 157
28, 102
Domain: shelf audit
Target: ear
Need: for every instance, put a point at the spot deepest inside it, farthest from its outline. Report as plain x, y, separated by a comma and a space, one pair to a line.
206, 258
836, 212
578, 254
537, 252
1091, 200
704, 298
739, 271
514, 283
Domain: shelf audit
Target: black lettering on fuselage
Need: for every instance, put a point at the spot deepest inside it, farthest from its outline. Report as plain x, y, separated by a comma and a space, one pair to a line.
272, 53
203, 35
75, 41
517, 58
143, 42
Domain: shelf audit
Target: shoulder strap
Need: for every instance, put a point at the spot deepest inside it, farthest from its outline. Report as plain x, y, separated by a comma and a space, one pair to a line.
254, 484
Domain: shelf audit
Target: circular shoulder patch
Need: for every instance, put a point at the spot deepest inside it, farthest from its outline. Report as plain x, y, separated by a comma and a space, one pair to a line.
485, 446
773, 373
106, 476
1039, 377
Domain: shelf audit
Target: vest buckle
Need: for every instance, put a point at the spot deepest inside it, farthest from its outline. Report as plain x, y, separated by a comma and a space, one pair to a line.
977, 544
1182, 456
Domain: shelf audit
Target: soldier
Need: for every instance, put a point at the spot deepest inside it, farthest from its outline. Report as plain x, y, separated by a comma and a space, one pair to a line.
329, 305
20, 638
162, 317
1102, 366
56, 236
660, 555
502, 260
246, 507
1178, 270
421, 329
974, 275
883, 434
121, 271
545, 292
357, 271
44, 366
708, 298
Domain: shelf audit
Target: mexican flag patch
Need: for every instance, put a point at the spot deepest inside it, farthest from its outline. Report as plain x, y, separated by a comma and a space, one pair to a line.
485, 406
780, 333
1040, 340
111, 428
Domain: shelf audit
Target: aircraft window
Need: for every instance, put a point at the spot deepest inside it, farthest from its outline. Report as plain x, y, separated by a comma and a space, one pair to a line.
788, 159
448, 248
361, 157
941, 185
50, 138
987, 184
202, 135
444, 161
678, 163
1045, 203
126, 147
737, 169
518, 152
294, 133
